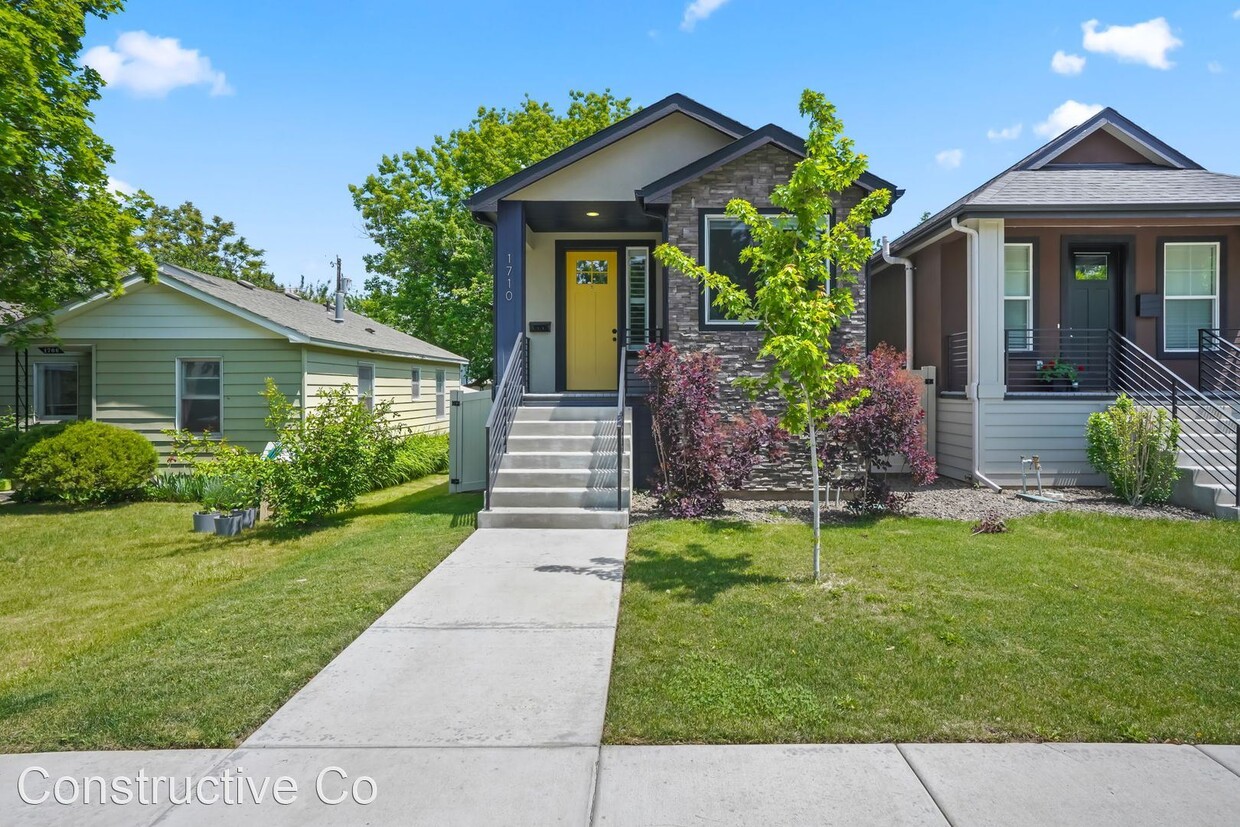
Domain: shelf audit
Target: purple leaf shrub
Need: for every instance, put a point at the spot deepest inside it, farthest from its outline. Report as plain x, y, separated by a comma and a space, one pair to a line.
700, 455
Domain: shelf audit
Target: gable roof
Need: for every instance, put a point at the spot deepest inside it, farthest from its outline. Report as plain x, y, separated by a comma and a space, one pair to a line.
485, 200
300, 320
1171, 182
658, 192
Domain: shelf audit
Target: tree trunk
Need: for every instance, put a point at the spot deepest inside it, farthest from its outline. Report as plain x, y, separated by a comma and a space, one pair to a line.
813, 469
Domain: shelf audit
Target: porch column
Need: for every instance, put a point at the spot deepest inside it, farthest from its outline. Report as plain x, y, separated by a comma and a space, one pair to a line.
509, 289
986, 312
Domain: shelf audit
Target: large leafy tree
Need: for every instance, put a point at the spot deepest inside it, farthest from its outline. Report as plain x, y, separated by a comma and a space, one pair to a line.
63, 234
182, 236
796, 304
432, 275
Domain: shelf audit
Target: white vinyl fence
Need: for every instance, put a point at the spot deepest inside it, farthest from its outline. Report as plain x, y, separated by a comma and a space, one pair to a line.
467, 440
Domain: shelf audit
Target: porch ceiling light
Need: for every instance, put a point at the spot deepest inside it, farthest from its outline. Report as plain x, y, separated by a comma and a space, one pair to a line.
592, 213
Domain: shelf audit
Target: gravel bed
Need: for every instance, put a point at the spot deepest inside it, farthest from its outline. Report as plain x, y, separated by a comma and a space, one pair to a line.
945, 500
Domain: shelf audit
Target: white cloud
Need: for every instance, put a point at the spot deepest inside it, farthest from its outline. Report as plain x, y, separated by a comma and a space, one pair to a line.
1007, 133
150, 66
123, 187
1067, 115
1065, 64
1235, 15
697, 11
949, 158
1215, 67
1146, 42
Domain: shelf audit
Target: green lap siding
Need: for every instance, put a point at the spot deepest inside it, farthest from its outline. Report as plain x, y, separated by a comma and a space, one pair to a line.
326, 369
136, 383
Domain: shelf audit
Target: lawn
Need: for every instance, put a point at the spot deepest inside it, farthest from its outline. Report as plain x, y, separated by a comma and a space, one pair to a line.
119, 628
1069, 627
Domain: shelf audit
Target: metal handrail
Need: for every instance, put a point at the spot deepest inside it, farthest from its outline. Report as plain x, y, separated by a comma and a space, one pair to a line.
620, 399
1212, 441
504, 409
1218, 362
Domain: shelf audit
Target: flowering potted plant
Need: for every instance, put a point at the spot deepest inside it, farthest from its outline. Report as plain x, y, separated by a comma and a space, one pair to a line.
1059, 373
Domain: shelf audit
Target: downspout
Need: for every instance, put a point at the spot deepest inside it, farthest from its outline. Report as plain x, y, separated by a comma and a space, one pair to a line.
973, 253
908, 301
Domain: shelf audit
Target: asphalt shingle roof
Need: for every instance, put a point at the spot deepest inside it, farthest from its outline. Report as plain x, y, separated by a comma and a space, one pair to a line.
1108, 186
308, 318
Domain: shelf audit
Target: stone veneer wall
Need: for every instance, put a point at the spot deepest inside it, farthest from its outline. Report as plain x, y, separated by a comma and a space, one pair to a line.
751, 177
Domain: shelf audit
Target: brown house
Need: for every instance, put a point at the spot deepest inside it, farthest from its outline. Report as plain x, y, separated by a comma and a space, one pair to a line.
1104, 262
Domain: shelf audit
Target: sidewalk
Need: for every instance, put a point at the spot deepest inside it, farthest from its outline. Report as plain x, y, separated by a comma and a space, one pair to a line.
479, 698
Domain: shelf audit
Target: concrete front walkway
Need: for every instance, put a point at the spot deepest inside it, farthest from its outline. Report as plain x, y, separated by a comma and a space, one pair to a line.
478, 699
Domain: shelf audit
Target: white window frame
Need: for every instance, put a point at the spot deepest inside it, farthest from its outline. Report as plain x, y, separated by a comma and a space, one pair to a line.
441, 393
180, 380
1027, 345
708, 305
1215, 298
638, 342
370, 400
415, 383
40, 387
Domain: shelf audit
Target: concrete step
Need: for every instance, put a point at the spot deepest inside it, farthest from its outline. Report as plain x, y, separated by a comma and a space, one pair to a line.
555, 497
1201, 492
553, 518
565, 413
561, 460
559, 477
569, 400
605, 443
567, 427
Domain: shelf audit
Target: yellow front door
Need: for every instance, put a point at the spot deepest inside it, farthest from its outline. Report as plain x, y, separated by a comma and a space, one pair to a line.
591, 302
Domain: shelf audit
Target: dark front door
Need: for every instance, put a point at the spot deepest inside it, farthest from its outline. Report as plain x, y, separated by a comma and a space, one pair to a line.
1090, 290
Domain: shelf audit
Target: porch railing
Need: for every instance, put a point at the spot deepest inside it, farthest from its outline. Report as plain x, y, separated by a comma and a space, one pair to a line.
1218, 362
956, 362
508, 393
1063, 359
620, 400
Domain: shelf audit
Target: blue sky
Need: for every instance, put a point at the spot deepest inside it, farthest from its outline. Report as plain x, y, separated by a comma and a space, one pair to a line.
265, 112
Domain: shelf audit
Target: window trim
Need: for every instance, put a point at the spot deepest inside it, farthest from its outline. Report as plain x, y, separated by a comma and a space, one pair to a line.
1217, 298
415, 383
1030, 245
180, 385
441, 393
370, 405
39, 367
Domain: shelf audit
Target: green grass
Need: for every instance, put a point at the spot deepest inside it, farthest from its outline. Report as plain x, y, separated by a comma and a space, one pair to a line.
119, 628
1069, 627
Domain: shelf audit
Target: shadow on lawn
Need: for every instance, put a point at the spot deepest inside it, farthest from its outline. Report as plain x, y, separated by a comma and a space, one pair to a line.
694, 574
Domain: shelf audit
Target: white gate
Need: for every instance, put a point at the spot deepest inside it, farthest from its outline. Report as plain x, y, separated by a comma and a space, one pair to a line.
467, 440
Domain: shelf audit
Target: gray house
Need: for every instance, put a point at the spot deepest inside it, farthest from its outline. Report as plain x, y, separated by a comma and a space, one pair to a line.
577, 293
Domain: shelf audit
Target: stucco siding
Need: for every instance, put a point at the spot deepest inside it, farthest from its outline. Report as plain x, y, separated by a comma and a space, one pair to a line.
954, 438
327, 369
1054, 429
136, 383
155, 311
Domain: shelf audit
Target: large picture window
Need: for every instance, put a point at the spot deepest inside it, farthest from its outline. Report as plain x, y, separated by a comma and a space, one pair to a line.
200, 397
57, 391
723, 239
1190, 292
1018, 295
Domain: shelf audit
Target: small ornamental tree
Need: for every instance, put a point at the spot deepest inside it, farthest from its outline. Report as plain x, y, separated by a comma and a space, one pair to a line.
699, 454
887, 423
797, 303
1136, 448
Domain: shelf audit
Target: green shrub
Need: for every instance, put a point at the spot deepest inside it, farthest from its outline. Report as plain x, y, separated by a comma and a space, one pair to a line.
414, 457
87, 462
14, 444
1136, 449
225, 476
328, 456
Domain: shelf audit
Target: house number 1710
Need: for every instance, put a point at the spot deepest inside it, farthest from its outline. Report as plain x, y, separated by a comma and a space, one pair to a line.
508, 274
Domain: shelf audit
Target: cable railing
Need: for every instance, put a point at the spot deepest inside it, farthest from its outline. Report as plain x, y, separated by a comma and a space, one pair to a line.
508, 393
1057, 360
1218, 362
1209, 431
956, 362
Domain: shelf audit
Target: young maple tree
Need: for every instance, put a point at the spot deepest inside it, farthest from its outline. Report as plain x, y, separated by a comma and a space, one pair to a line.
887, 423
699, 454
796, 303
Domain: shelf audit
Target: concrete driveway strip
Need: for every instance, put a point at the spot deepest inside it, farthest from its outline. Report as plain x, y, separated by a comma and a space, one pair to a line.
179, 764
838, 784
1101, 785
